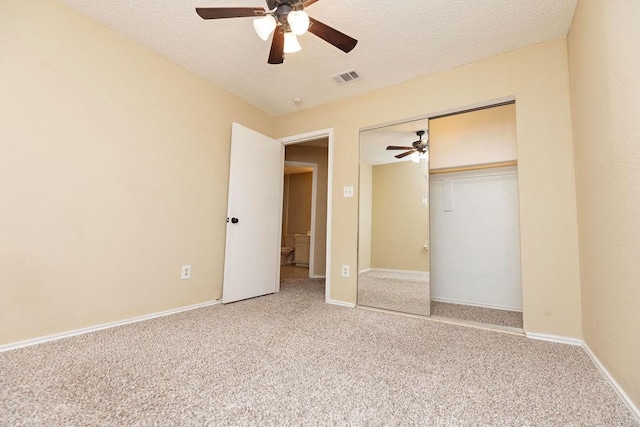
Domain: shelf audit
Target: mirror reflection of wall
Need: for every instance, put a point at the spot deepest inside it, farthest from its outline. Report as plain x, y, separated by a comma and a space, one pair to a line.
393, 270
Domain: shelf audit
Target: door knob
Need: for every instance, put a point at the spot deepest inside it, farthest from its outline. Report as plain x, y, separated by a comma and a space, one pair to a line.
235, 220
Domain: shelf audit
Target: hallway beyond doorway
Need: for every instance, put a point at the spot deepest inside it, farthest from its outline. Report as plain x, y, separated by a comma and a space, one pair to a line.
293, 271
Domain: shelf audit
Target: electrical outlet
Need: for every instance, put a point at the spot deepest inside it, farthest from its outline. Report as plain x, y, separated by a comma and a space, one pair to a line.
345, 271
186, 272
347, 192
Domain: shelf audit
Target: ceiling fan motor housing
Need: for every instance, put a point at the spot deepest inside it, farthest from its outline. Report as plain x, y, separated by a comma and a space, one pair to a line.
294, 4
281, 14
420, 145
283, 8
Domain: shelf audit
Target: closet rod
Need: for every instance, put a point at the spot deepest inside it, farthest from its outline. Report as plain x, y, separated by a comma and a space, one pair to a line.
474, 167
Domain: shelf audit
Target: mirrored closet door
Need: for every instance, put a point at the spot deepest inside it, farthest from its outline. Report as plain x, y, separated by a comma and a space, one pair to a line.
393, 237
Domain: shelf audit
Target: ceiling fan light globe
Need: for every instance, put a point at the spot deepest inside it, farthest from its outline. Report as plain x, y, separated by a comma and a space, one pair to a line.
291, 44
298, 22
415, 157
264, 26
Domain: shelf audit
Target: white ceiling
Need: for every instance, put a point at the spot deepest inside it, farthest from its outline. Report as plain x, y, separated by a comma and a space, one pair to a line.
398, 41
374, 142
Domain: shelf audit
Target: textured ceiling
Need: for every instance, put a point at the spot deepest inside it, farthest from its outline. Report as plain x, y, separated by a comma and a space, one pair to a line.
398, 41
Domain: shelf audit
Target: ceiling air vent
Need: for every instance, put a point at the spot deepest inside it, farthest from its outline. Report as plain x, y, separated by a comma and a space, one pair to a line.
346, 77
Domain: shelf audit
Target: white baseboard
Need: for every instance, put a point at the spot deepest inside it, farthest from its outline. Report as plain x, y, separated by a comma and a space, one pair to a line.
95, 328
364, 271
340, 303
475, 304
555, 338
318, 276
625, 398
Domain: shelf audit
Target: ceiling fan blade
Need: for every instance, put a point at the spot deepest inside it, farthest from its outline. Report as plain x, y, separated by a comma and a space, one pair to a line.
399, 156
276, 56
332, 36
229, 12
308, 3
395, 147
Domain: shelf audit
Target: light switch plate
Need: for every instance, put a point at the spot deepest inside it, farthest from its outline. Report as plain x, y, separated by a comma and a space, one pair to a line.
348, 192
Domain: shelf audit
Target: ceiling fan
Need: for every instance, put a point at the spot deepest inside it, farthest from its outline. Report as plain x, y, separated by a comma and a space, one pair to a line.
419, 147
286, 19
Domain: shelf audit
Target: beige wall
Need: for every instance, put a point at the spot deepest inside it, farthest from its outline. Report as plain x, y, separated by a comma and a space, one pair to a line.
318, 155
115, 169
399, 219
605, 88
538, 78
484, 136
113, 173
298, 190
365, 190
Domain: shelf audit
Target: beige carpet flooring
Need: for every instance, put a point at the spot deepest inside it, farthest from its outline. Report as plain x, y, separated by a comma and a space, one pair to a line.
471, 313
290, 359
406, 292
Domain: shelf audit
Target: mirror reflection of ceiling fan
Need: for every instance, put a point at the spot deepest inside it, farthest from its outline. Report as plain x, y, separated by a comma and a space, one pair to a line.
418, 149
286, 19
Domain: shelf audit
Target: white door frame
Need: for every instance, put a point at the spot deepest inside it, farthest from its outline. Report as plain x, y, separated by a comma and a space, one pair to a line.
311, 136
314, 195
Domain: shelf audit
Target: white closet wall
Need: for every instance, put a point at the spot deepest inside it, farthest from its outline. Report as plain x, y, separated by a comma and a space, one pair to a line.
475, 238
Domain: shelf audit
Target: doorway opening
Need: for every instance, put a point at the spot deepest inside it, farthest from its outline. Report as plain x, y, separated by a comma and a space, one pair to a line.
299, 204
306, 205
255, 186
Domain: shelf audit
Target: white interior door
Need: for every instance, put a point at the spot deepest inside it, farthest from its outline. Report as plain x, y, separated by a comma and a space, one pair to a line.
252, 254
